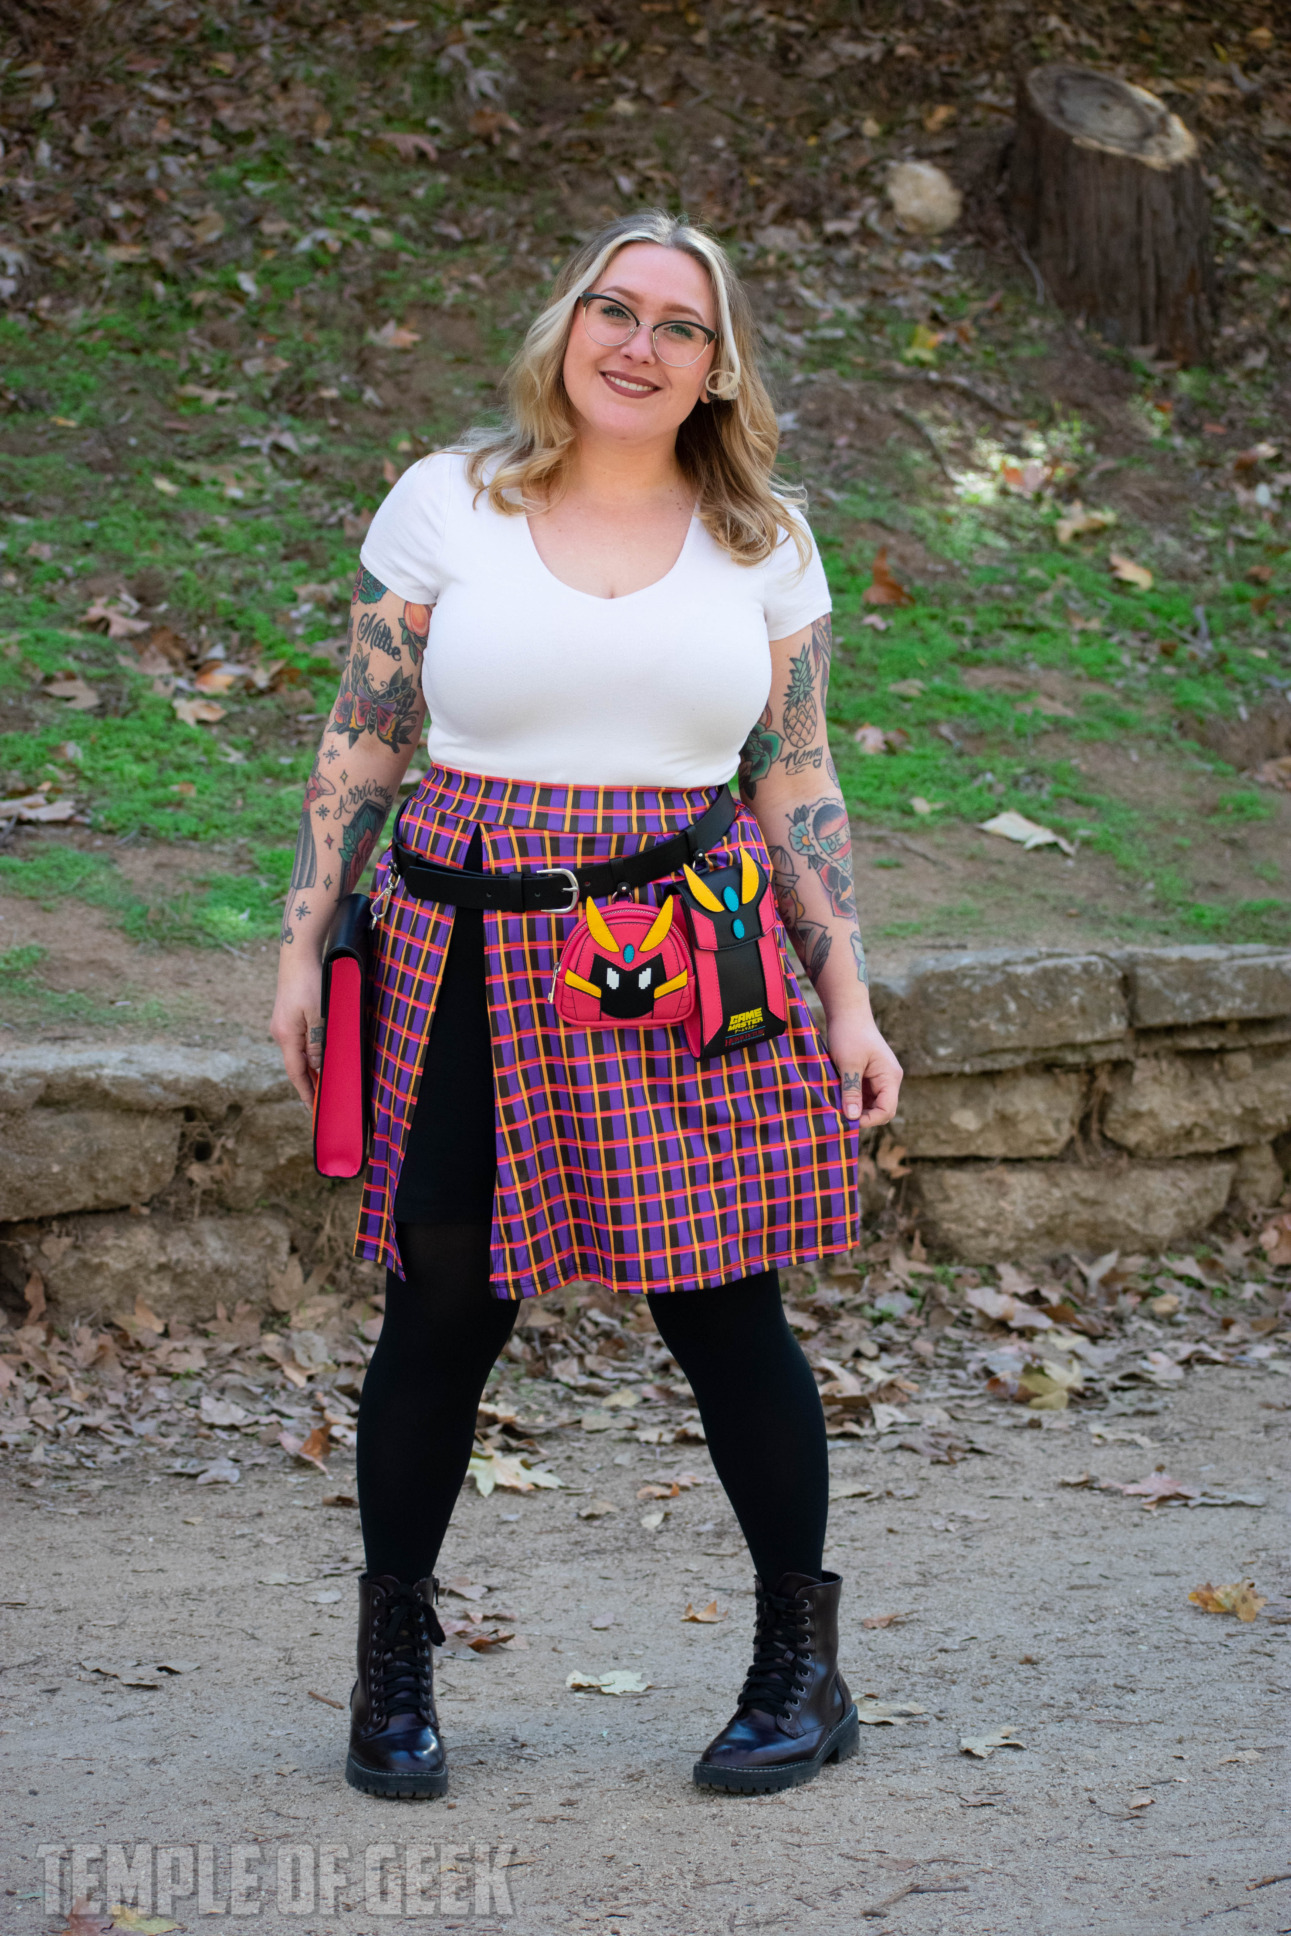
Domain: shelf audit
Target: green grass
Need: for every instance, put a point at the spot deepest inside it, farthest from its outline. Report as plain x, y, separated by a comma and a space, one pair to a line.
256, 490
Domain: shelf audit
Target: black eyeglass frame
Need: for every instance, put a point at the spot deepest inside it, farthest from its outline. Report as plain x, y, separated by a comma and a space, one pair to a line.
596, 295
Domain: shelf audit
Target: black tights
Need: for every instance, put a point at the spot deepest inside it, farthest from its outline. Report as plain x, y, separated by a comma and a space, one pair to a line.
444, 1329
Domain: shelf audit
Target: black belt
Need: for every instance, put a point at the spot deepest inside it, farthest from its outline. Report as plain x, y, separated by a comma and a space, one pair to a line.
558, 890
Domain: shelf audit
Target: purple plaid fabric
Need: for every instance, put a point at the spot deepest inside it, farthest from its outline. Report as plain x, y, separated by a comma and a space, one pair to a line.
621, 1160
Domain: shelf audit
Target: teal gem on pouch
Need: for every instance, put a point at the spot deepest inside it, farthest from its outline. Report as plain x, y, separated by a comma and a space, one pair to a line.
731, 898
628, 951
737, 929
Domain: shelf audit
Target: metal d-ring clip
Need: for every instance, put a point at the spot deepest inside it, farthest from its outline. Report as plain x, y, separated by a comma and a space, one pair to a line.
380, 901
576, 892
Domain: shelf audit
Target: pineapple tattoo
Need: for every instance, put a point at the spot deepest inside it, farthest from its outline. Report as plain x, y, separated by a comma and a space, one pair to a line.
801, 715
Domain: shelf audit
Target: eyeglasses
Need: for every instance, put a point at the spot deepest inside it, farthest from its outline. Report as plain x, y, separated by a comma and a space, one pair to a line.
612, 323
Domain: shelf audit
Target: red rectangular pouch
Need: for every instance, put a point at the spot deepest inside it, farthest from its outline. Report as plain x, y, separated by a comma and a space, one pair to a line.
739, 976
342, 1111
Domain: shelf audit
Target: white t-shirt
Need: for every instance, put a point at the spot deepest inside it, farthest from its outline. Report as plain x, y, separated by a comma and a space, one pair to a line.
531, 680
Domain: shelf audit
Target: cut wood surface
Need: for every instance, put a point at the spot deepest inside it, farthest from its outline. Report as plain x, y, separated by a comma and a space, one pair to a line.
1108, 197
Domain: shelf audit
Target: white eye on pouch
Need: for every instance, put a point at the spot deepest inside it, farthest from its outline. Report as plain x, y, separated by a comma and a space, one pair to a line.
643, 979
611, 977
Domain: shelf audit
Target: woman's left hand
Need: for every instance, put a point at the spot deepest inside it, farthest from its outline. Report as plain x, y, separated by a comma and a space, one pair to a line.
868, 1070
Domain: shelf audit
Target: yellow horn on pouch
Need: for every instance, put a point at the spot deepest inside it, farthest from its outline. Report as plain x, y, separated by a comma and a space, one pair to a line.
748, 878
704, 895
599, 931
662, 923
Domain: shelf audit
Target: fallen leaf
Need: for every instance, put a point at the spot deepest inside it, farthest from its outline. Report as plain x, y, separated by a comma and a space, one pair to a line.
222, 1472
1027, 833
983, 1746
407, 146
465, 1589
139, 1924
1142, 1801
84, 1921
1276, 773
316, 1447
1079, 523
1003, 1309
208, 399
1164, 1306
1275, 1241
705, 1616
77, 692
890, 1157
198, 712
599, 1421
887, 1619
1241, 1599
492, 123
597, 1509
652, 1521
871, 739
130, 1673
326, 1597
856, 1491
601, 1622
1130, 573
924, 807
165, 486
1156, 1488
35, 807
114, 619
619, 1682
493, 1469
221, 1411
883, 588
1243, 1754
907, 688
1027, 479
886, 1714
392, 336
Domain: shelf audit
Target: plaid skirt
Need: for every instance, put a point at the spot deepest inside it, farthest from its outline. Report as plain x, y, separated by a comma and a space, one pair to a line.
621, 1160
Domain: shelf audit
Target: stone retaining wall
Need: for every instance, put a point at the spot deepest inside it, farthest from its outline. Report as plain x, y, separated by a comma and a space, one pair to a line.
1090, 1101
1052, 1102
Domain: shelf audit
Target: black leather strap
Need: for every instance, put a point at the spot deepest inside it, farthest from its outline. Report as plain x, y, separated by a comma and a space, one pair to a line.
558, 890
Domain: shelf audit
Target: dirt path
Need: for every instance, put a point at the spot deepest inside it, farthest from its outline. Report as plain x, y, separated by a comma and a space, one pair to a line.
1149, 1796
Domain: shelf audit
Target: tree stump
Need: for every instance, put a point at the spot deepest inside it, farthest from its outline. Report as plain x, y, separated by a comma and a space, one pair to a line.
1107, 194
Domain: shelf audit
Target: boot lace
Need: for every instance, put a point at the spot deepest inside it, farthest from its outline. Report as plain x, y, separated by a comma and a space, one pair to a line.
781, 1656
401, 1653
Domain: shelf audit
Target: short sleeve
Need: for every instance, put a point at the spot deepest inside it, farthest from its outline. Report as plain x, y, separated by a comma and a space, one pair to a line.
793, 594
404, 547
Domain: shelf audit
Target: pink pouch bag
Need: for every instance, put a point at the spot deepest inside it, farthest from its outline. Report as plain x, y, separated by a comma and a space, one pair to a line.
629, 967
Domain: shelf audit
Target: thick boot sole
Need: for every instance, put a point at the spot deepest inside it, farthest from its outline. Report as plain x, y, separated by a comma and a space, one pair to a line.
395, 1787
840, 1745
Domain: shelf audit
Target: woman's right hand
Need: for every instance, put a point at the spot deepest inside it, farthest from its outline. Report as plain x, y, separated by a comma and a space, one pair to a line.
297, 1025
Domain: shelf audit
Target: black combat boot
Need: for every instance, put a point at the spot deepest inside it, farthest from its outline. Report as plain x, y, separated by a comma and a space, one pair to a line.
395, 1747
795, 1712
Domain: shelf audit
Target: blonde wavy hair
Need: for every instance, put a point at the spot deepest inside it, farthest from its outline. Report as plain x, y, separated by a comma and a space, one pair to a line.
726, 448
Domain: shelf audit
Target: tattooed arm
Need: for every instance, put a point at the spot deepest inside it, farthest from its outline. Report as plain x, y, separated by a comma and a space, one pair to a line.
374, 724
789, 780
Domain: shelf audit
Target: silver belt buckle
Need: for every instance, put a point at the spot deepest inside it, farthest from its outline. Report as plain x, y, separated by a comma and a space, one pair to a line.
576, 892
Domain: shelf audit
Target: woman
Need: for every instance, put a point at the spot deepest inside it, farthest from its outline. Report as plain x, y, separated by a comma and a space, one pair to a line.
620, 605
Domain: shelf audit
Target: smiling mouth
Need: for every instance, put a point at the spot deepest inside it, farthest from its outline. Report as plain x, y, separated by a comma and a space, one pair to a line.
626, 386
